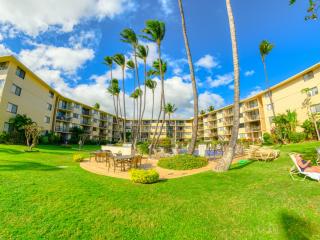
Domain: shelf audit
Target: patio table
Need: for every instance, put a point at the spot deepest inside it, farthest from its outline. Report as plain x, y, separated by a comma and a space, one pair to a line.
122, 160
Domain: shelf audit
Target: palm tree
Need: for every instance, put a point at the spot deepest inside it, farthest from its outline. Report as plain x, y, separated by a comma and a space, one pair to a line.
129, 36
109, 62
170, 109
114, 90
121, 61
312, 9
155, 31
227, 158
96, 106
131, 66
142, 53
151, 84
202, 112
265, 48
210, 108
192, 144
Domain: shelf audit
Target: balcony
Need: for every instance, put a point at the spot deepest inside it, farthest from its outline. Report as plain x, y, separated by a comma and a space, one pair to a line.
65, 106
62, 129
251, 106
86, 112
87, 123
64, 118
253, 129
252, 118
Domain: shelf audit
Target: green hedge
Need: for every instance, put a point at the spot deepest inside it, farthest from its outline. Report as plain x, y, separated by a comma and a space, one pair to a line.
144, 176
183, 162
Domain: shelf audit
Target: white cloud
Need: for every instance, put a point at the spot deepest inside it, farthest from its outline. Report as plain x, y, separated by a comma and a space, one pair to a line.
35, 16
255, 91
208, 62
4, 50
84, 38
65, 59
249, 73
207, 99
166, 6
220, 80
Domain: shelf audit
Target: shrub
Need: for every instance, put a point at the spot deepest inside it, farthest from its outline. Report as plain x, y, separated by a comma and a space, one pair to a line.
78, 157
143, 147
144, 176
183, 162
297, 137
267, 139
44, 140
165, 143
4, 137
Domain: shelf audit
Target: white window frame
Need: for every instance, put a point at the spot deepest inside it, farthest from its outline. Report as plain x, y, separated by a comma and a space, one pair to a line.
10, 107
16, 90
313, 91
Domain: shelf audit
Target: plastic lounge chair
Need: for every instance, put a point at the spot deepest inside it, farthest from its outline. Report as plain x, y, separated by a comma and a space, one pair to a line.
296, 170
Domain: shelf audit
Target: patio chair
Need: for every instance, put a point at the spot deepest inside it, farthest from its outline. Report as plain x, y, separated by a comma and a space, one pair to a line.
296, 170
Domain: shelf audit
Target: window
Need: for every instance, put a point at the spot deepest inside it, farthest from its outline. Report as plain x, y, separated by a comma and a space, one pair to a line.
241, 125
20, 73
3, 65
47, 119
49, 106
95, 120
94, 129
241, 115
76, 106
313, 91
315, 108
7, 127
75, 115
221, 129
1, 83
16, 90
12, 108
51, 94
308, 76
269, 107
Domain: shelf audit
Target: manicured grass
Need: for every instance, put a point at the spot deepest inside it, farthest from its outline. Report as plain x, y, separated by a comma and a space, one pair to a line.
183, 162
39, 200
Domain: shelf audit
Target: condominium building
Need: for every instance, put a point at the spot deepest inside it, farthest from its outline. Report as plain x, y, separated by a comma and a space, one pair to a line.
23, 92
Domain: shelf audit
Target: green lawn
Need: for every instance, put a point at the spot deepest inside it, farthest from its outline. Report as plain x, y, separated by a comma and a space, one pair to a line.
39, 200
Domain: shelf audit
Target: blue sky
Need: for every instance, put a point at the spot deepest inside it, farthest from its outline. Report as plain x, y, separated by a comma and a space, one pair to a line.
64, 43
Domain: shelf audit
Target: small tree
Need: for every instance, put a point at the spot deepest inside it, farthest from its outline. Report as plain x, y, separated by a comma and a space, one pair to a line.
314, 117
82, 140
32, 133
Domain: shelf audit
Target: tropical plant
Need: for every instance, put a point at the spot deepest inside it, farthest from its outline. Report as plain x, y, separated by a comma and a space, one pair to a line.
265, 48
96, 106
142, 53
193, 81
144, 176
76, 132
312, 9
309, 129
16, 130
210, 108
32, 133
109, 62
152, 85
114, 90
285, 126
154, 31
202, 112
170, 109
183, 162
121, 61
225, 162
313, 116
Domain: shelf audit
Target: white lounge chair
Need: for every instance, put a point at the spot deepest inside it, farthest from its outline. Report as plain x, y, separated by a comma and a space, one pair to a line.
296, 170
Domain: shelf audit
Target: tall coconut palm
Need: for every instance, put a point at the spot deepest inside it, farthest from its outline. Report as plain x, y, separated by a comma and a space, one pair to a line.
131, 66
142, 53
109, 62
265, 48
192, 144
152, 85
227, 158
121, 61
170, 109
129, 36
96, 106
114, 90
155, 31
134, 96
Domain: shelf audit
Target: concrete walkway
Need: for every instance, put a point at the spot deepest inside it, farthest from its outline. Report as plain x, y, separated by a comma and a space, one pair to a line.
101, 169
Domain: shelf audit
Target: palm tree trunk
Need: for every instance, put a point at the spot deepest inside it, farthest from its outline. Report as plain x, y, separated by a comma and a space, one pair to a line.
226, 160
192, 144
163, 98
140, 97
268, 87
152, 103
124, 107
153, 142
145, 92
120, 111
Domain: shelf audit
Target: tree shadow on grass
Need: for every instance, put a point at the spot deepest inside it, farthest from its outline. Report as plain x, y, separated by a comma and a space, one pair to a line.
295, 227
21, 166
10, 151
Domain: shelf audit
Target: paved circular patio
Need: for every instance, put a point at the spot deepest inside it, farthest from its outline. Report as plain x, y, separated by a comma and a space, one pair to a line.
101, 169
